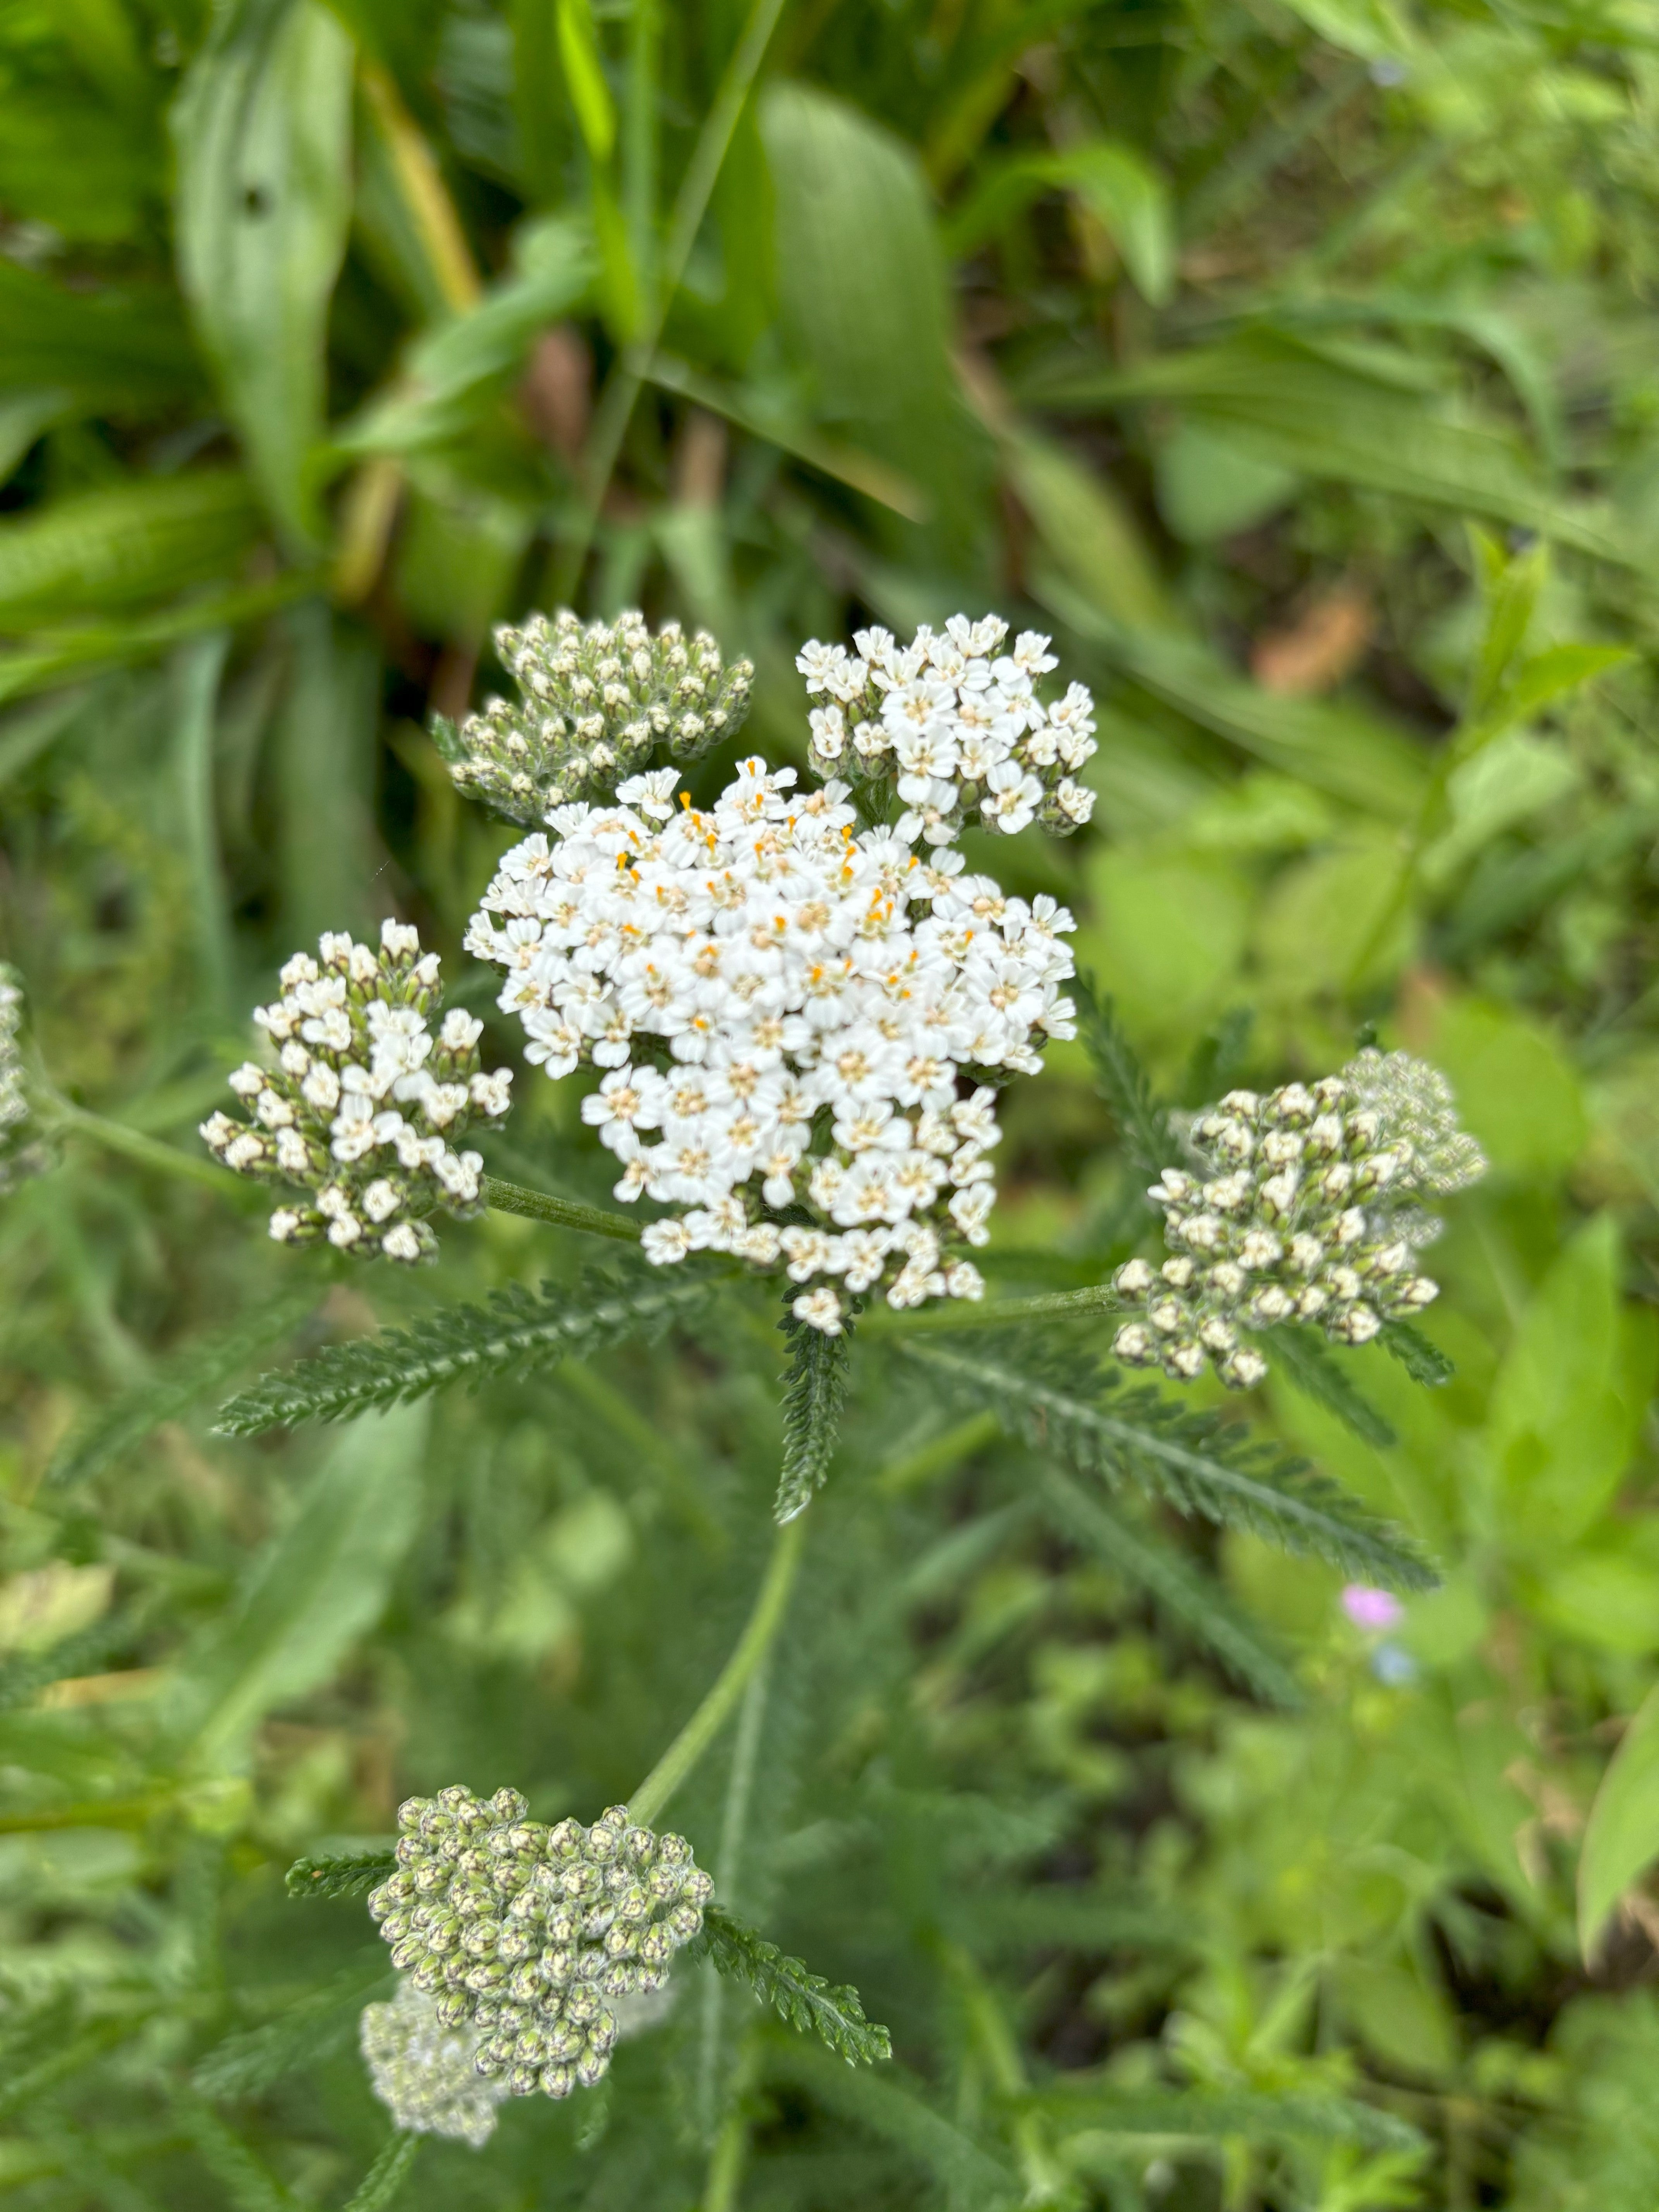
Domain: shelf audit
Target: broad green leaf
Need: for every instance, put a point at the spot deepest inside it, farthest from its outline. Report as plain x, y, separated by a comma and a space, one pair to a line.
1168, 938
1088, 534
124, 350
1512, 777
1209, 486
1621, 1837
1569, 1400
465, 360
862, 299
23, 416
1373, 29
1298, 408
316, 1586
1329, 913
262, 136
1510, 589
1515, 1088
458, 553
1115, 184
100, 550
1349, 754
53, 657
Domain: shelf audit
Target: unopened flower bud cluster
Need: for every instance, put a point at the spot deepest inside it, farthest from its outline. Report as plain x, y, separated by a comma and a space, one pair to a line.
594, 703
364, 1104
950, 728
1301, 1207
782, 1001
21, 1154
426, 2074
532, 1935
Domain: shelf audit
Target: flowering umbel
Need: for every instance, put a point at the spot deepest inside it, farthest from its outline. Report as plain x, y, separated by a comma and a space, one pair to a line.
1300, 1206
363, 1104
426, 2074
950, 728
593, 705
22, 1153
532, 1935
783, 1001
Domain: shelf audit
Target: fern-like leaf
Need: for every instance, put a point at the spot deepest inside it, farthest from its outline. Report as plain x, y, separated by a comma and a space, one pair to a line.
1122, 1081
351, 1873
812, 2005
1060, 1402
517, 1331
316, 2028
191, 1374
1425, 1362
1179, 1588
1317, 1374
814, 1392
385, 2177
24, 1677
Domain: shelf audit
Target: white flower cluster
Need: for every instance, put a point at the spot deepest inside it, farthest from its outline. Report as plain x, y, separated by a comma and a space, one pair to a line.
534, 1937
20, 1156
952, 728
594, 703
1303, 1208
426, 2074
364, 1102
782, 1002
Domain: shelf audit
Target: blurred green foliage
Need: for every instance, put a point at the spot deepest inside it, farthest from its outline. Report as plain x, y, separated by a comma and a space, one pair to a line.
1293, 363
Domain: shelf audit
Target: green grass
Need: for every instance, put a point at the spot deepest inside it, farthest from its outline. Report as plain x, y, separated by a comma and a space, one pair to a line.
1292, 364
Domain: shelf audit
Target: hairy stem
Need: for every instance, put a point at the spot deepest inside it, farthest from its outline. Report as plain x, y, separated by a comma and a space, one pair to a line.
705, 1724
562, 1212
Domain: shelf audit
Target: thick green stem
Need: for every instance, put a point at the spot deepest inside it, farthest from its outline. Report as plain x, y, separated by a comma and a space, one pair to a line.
711, 1715
562, 1212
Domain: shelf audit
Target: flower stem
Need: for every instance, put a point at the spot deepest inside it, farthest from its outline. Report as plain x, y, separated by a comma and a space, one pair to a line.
994, 1313
133, 1145
562, 1212
705, 1724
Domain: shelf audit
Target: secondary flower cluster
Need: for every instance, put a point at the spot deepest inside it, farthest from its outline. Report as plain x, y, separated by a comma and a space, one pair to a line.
21, 1156
593, 704
425, 2074
782, 1001
364, 1102
1301, 1207
952, 728
531, 1935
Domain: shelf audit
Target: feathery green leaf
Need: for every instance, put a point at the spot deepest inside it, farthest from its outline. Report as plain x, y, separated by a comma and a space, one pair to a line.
204, 1365
812, 2005
348, 1873
1317, 1374
318, 2026
1122, 1081
1179, 1587
814, 1391
519, 1330
1060, 1402
384, 2177
1425, 1362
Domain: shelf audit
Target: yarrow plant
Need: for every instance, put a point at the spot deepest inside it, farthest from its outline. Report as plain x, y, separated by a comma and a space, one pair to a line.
951, 729
784, 998
362, 1104
594, 702
1301, 1206
530, 1935
801, 1005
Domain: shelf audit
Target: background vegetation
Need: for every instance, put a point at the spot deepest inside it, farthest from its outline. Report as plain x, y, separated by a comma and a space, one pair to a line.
1294, 364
